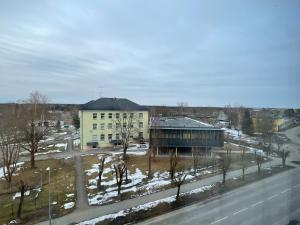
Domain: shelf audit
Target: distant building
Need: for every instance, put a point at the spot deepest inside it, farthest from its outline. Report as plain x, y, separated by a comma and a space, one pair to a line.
100, 120
184, 134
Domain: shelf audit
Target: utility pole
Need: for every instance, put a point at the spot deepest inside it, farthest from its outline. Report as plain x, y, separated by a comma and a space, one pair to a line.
49, 197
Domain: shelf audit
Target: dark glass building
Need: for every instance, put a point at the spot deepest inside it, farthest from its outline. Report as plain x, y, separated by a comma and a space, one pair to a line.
185, 135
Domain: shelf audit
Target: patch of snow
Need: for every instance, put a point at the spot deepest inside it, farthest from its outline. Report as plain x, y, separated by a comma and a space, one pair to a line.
49, 152
69, 205
18, 194
62, 145
76, 142
70, 195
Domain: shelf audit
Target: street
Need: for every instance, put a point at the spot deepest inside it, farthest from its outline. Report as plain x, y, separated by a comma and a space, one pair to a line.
275, 200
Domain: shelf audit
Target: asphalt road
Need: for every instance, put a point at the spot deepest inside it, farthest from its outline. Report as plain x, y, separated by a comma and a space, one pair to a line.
275, 200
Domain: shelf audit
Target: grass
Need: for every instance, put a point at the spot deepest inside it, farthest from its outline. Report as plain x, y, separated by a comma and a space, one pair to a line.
62, 183
159, 164
184, 200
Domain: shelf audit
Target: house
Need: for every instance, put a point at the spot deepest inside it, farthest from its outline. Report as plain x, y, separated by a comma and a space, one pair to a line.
104, 121
185, 135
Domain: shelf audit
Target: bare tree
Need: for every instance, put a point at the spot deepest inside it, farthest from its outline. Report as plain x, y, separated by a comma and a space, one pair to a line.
259, 160
196, 160
124, 127
9, 146
283, 153
120, 169
264, 123
173, 163
34, 113
22, 188
225, 163
179, 180
101, 168
181, 106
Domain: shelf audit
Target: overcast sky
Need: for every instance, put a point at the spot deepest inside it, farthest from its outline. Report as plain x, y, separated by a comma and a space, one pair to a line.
206, 53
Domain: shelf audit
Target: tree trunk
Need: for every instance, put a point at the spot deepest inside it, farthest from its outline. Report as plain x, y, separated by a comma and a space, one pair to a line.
149, 166
119, 189
21, 202
178, 191
224, 177
32, 159
243, 173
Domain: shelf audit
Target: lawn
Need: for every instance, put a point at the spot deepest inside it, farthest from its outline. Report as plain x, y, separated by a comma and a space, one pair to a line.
36, 202
139, 184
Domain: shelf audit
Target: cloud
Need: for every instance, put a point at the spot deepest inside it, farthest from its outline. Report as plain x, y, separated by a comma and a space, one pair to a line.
205, 53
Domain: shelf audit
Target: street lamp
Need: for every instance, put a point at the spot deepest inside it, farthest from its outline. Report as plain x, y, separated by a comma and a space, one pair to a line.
49, 170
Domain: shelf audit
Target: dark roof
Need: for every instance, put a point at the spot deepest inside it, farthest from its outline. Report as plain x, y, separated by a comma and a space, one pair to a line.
182, 123
112, 104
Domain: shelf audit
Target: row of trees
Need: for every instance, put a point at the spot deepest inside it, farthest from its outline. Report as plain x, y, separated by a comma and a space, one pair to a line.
21, 129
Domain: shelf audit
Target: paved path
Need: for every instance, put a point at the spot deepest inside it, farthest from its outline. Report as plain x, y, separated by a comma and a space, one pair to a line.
96, 211
81, 202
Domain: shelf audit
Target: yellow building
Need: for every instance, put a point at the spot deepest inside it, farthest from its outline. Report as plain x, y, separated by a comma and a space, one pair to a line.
104, 121
276, 123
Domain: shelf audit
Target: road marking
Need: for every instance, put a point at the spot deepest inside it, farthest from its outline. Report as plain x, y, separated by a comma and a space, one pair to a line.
257, 203
295, 186
286, 190
273, 196
242, 210
224, 218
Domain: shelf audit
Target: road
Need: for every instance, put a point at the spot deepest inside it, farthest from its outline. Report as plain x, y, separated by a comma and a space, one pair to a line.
294, 144
275, 200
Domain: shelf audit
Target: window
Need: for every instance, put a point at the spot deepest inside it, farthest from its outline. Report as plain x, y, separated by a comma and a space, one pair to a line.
94, 137
94, 115
102, 126
131, 137
124, 125
109, 126
94, 126
117, 136
109, 137
131, 125
141, 115
140, 124
117, 125
110, 115
124, 115
102, 137
131, 115
102, 115
141, 134
117, 115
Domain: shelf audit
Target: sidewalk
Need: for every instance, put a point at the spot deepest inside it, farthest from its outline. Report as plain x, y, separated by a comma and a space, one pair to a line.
80, 215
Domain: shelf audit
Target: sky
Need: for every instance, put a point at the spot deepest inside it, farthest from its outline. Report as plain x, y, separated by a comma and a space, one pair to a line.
204, 53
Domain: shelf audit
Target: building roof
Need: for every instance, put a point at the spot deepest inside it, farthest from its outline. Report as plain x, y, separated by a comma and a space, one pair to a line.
179, 123
111, 104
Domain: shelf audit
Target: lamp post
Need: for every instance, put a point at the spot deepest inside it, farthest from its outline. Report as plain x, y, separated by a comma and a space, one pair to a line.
49, 196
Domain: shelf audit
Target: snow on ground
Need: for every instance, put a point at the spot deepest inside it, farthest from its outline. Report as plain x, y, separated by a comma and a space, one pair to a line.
138, 149
19, 164
69, 205
70, 195
111, 192
238, 135
61, 145
18, 194
146, 206
49, 152
76, 142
